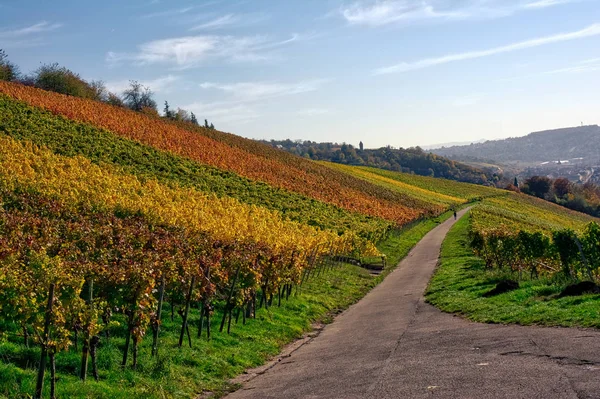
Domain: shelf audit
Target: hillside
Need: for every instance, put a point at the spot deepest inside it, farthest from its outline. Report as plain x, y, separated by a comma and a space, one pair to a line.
545, 146
411, 160
113, 212
124, 217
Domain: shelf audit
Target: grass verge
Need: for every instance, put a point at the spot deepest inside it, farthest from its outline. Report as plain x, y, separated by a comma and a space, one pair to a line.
461, 280
208, 365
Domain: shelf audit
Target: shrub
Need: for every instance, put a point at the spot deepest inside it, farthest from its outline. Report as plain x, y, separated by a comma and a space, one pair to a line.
8, 71
53, 77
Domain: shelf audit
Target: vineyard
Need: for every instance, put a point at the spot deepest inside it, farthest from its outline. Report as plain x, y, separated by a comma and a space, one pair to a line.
255, 162
145, 246
171, 257
69, 138
521, 234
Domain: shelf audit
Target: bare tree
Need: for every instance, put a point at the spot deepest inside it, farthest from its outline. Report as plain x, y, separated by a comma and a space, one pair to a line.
138, 97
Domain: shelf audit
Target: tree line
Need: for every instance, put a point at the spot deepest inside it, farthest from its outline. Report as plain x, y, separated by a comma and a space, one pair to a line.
59, 79
578, 197
408, 160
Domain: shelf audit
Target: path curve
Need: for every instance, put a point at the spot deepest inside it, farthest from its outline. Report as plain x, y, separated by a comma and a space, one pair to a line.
393, 345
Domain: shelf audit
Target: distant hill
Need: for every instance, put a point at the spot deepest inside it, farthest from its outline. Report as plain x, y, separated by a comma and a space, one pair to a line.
409, 160
452, 144
545, 146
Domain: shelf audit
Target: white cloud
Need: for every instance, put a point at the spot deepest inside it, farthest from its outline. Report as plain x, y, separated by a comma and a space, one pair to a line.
168, 13
40, 27
592, 30
162, 84
389, 11
223, 112
253, 91
191, 51
231, 20
219, 22
384, 12
548, 3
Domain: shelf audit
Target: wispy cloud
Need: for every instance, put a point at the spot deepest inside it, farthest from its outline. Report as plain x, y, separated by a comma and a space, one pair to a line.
217, 23
190, 51
254, 91
592, 30
40, 27
231, 20
224, 112
548, 3
384, 12
162, 84
28, 36
167, 13
390, 11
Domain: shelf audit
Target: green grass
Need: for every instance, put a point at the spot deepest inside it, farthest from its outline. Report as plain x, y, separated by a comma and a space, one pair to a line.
209, 365
461, 280
65, 137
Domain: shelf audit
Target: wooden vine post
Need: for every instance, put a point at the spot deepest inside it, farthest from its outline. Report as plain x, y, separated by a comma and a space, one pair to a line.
184, 324
39, 387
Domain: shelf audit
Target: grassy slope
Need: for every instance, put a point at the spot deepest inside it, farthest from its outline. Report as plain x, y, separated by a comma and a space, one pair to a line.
208, 365
461, 280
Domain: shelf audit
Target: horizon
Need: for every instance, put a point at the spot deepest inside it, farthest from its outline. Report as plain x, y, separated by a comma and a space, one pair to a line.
390, 72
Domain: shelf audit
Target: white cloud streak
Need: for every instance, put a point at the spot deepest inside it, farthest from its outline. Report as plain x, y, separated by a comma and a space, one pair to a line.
167, 13
383, 12
191, 51
162, 84
254, 91
40, 27
592, 30
549, 3
230, 21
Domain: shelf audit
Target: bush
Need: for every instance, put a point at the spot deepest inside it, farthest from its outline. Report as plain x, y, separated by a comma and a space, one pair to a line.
53, 77
8, 71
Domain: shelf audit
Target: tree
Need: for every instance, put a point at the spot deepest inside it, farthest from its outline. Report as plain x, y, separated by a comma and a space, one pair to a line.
182, 115
53, 77
99, 91
115, 100
193, 118
562, 187
206, 124
8, 71
360, 145
516, 183
538, 185
139, 97
212, 127
167, 112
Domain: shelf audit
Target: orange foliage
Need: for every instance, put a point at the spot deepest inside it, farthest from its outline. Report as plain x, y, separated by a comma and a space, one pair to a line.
288, 173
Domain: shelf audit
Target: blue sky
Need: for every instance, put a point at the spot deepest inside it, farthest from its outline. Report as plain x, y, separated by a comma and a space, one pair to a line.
397, 72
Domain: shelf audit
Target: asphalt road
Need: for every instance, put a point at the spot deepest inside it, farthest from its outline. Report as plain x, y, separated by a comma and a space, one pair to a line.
393, 345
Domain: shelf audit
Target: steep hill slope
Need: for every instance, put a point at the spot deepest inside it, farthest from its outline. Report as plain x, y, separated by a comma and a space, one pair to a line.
549, 145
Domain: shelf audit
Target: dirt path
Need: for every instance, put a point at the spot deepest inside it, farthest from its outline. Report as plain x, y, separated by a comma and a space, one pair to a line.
393, 345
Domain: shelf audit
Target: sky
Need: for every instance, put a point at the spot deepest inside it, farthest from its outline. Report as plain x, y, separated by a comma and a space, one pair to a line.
385, 72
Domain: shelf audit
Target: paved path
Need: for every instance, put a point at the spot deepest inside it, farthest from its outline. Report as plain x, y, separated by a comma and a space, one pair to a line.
393, 345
